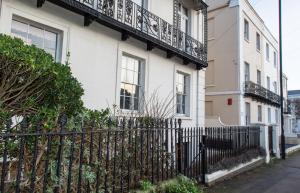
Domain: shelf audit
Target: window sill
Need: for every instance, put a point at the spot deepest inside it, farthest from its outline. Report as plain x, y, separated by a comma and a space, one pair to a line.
210, 85
183, 117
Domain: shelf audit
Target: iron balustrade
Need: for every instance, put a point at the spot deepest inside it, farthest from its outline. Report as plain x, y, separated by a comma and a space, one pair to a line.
260, 93
132, 19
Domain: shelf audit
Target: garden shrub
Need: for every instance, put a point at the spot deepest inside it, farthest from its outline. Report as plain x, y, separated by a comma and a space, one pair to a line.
33, 83
180, 184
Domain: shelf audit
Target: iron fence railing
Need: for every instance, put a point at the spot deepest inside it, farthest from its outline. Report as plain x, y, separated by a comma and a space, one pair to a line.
112, 159
262, 93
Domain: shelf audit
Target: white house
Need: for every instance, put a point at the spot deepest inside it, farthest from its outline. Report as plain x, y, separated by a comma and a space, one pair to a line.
122, 49
242, 78
294, 97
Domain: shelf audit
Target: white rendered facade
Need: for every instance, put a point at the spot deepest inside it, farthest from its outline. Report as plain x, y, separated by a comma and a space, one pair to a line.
97, 55
241, 49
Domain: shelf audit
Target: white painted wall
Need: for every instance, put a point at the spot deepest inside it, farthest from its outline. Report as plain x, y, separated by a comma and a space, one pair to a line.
96, 56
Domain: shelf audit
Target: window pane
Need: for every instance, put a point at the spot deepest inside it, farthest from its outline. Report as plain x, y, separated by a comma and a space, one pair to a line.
182, 83
183, 109
179, 88
122, 102
127, 103
130, 64
50, 42
137, 66
183, 100
123, 75
19, 30
129, 77
36, 36
136, 78
122, 90
178, 98
178, 109
128, 89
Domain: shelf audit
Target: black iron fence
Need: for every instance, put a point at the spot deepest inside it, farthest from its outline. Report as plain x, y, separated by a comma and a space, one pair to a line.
114, 159
225, 143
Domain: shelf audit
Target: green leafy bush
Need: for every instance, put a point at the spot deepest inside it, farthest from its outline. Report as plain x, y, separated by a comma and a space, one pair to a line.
181, 184
146, 185
32, 82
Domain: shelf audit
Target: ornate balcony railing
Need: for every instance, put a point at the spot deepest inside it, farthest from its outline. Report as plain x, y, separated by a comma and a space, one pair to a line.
261, 94
133, 20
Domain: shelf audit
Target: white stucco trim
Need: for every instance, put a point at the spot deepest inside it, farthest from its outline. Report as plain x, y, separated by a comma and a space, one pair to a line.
223, 93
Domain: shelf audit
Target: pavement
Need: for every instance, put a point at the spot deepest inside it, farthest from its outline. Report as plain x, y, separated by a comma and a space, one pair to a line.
281, 176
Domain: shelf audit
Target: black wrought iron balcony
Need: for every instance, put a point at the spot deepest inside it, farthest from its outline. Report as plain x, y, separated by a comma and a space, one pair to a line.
260, 93
133, 20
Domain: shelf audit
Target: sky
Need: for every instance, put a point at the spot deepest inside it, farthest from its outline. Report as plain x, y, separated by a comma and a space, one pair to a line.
268, 11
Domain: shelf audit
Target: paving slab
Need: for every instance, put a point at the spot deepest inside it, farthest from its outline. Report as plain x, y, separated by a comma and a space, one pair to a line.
281, 176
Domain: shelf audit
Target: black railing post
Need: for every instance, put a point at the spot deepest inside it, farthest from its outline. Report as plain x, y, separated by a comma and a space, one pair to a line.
203, 159
180, 133
62, 124
20, 170
5, 154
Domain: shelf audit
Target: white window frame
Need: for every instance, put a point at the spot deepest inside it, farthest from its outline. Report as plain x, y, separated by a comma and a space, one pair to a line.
187, 94
140, 84
59, 33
